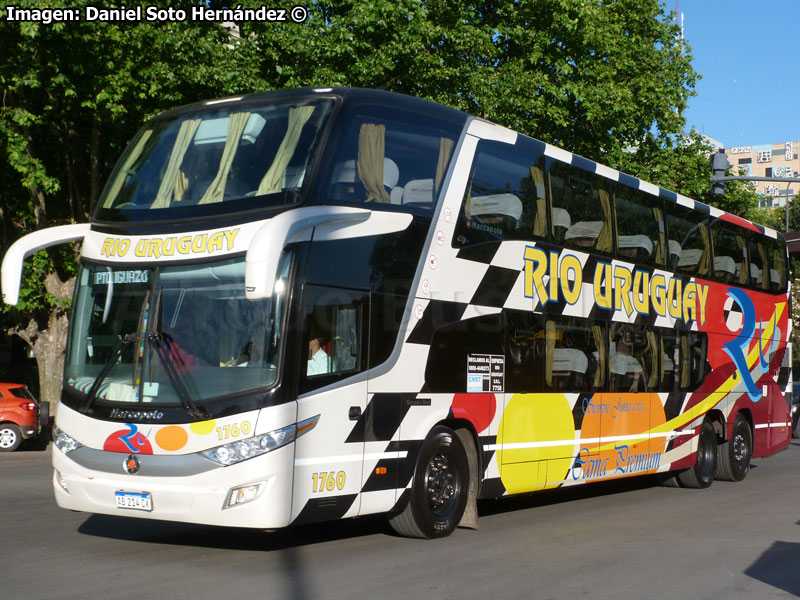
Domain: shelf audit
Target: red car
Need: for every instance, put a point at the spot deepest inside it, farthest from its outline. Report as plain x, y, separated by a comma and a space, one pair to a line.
19, 415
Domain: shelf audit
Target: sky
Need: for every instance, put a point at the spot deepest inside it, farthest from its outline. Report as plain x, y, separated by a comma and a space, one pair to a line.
747, 52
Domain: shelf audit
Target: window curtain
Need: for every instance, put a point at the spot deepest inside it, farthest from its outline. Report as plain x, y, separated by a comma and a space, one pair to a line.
540, 222
345, 340
704, 266
652, 349
744, 269
166, 190
445, 149
605, 238
371, 152
126, 166
273, 179
661, 244
600, 343
550, 346
780, 267
468, 202
216, 190
686, 362
765, 274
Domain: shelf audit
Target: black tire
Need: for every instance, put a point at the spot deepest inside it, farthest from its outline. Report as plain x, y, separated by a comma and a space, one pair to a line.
10, 437
733, 456
439, 487
44, 414
796, 427
701, 475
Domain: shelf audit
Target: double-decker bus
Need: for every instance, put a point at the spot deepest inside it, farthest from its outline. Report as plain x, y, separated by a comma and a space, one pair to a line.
323, 303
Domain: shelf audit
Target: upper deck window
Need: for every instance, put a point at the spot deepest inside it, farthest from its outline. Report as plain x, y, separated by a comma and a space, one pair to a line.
389, 156
688, 242
248, 154
641, 233
581, 209
505, 197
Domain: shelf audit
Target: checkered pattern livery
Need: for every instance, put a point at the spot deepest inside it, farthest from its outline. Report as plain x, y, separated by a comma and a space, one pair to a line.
456, 284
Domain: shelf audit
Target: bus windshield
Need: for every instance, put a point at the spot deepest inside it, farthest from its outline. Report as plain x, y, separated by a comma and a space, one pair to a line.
177, 335
199, 163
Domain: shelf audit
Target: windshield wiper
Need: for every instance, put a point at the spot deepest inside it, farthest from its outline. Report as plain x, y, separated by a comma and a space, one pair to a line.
163, 343
92, 395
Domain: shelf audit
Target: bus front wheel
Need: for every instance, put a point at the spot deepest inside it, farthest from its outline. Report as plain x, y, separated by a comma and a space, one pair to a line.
701, 475
439, 488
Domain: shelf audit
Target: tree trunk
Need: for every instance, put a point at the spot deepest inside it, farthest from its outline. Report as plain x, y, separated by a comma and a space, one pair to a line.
49, 345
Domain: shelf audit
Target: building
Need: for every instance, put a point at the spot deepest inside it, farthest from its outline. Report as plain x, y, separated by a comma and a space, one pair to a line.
715, 144
769, 160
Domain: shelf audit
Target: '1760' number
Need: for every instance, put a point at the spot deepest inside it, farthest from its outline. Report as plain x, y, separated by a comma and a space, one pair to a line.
328, 481
235, 430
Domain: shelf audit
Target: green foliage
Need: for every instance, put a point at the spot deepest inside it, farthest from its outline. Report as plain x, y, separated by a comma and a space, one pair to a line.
74, 94
594, 77
794, 215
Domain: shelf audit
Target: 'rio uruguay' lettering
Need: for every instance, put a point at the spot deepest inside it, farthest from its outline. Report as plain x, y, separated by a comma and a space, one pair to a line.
615, 287
158, 247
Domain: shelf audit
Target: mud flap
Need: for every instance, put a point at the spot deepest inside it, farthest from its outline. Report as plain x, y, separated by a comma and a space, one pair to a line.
469, 520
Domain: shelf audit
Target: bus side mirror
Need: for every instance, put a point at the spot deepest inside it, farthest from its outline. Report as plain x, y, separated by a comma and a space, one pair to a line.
264, 252
25, 246
329, 223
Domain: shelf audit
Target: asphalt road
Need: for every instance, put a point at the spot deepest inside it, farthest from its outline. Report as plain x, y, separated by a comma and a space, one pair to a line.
615, 541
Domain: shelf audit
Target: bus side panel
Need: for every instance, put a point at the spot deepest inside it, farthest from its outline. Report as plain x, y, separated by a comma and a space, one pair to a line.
329, 458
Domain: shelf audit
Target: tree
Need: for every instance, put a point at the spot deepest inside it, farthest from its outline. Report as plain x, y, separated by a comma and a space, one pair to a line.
74, 93
594, 77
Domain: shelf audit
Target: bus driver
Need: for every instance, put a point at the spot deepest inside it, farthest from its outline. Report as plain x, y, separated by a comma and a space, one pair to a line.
317, 357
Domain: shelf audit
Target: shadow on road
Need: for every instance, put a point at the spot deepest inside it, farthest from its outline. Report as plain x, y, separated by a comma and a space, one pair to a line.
568, 494
37, 444
206, 536
230, 538
778, 567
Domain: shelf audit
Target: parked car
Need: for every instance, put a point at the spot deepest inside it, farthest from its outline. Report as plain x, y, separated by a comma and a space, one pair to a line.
19, 416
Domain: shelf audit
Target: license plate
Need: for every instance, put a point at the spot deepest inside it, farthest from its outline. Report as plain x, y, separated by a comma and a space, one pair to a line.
134, 500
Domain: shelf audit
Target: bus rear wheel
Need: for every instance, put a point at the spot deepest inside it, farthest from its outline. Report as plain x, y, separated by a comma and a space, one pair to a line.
701, 475
733, 456
439, 488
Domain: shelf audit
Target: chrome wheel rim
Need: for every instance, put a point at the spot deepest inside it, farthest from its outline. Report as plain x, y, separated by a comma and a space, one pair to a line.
7, 438
740, 450
441, 484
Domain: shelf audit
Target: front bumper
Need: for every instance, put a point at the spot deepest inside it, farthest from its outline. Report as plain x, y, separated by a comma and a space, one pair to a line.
197, 497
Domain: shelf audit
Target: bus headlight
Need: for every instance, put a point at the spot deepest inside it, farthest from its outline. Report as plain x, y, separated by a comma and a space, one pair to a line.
65, 443
235, 452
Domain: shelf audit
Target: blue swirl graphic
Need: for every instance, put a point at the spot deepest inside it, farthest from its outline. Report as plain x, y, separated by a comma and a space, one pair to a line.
737, 347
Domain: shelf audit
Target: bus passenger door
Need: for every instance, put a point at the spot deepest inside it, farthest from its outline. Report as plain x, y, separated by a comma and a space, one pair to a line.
329, 458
